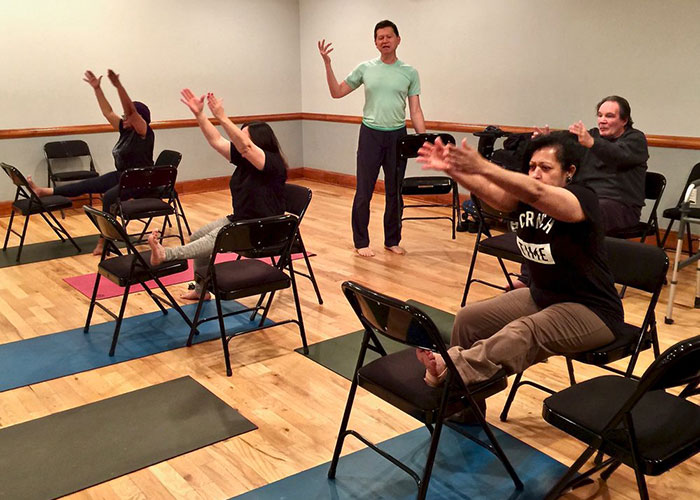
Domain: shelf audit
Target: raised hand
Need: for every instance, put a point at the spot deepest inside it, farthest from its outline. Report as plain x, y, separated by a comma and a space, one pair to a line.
432, 156
540, 131
325, 49
113, 77
92, 79
463, 159
196, 104
216, 106
580, 130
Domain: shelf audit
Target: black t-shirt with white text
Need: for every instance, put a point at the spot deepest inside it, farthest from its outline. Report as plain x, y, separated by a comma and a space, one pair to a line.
568, 261
257, 193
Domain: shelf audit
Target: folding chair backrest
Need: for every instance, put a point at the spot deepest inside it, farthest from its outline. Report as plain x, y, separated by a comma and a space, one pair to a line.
678, 365
636, 265
168, 157
297, 199
148, 182
107, 225
66, 149
258, 238
410, 144
693, 176
16, 176
393, 318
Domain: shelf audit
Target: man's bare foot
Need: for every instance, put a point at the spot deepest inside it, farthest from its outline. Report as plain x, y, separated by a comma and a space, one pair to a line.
516, 284
397, 250
194, 295
99, 248
365, 252
41, 191
435, 368
157, 250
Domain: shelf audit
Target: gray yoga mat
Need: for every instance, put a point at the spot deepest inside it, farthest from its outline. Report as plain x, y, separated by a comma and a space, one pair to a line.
339, 354
74, 449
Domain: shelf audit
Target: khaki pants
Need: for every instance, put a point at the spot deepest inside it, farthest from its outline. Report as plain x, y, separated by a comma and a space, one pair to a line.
510, 332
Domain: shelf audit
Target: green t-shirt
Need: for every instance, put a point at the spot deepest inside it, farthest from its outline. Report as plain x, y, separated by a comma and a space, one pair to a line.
386, 88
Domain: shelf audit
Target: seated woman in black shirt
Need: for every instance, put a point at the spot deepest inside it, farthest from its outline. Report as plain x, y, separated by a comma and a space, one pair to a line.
571, 304
257, 183
133, 149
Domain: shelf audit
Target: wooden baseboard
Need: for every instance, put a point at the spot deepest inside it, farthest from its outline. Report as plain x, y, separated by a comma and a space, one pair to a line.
336, 179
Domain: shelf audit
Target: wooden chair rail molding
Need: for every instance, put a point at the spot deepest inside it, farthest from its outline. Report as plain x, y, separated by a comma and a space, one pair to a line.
659, 141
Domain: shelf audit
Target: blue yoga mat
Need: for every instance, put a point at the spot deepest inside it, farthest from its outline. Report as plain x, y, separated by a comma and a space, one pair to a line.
463, 470
59, 354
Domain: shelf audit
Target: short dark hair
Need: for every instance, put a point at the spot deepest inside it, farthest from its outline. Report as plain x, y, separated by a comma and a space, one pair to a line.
625, 110
264, 137
385, 24
567, 149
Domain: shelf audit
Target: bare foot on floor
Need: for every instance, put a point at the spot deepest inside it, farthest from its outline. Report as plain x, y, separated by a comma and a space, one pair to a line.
365, 252
157, 250
397, 250
99, 248
435, 368
40, 191
194, 295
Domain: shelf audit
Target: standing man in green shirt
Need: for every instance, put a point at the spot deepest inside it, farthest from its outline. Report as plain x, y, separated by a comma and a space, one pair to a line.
388, 83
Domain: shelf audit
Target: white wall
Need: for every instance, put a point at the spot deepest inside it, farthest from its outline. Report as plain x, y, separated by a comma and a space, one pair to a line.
520, 62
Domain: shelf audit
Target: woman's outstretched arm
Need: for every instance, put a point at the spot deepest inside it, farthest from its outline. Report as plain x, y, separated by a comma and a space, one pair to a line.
212, 135
105, 107
130, 114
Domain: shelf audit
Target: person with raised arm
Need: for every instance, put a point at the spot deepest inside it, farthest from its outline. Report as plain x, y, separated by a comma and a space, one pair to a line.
257, 182
388, 82
133, 149
571, 304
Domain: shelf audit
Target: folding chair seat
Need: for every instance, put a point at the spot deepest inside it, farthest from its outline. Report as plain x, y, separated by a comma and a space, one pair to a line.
171, 158
674, 213
398, 379
298, 199
146, 193
654, 186
408, 147
634, 422
27, 203
128, 270
60, 154
636, 265
268, 237
502, 246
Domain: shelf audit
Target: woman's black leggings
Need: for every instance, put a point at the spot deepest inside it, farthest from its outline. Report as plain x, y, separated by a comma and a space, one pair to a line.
107, 185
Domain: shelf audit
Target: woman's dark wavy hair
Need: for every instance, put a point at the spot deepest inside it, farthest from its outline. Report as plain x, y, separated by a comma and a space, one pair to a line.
264, 137
567, 149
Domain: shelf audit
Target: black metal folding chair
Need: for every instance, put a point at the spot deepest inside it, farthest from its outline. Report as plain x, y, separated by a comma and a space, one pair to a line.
398, 379
168, 157
654, 186
128, 270
146, 193
270, 237
439, 185
634, 422
63, 159
27, 203
636, 265
674, 213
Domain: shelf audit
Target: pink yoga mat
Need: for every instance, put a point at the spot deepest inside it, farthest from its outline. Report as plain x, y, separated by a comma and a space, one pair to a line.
85, 283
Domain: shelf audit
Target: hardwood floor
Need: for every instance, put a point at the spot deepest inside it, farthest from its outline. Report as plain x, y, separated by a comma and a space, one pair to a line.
296, 403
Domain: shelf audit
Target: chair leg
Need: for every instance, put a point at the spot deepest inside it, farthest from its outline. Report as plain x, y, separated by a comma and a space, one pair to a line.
511, 396
195, 321
63, 229
118, 324
666, 233
224, 340
21, 238
470, 273
311, 270
570, 369
563, 483
266, 309
428, 469
181, 213
302, 331
342, 433
9, 229
179, 226
93, 300
499, 451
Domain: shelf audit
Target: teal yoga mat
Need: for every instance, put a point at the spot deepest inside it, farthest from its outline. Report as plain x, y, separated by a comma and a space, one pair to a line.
74, 449
59, 354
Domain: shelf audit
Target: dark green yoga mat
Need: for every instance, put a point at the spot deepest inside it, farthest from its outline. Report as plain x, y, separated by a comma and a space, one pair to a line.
340, 353
55, 249
74, 449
